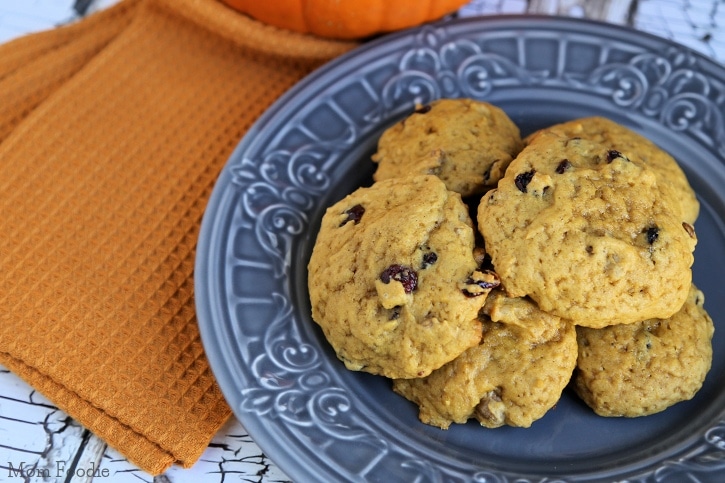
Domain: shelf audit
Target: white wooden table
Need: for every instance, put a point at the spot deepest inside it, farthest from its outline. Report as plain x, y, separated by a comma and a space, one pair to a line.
36, 434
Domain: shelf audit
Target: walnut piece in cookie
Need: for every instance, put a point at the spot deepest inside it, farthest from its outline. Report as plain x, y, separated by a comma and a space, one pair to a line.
387, 274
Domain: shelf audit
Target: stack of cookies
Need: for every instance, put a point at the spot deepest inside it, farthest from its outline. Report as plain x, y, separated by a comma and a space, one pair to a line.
576, 272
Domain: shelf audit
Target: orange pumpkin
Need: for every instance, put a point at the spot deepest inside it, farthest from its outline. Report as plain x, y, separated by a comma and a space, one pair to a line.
345, 19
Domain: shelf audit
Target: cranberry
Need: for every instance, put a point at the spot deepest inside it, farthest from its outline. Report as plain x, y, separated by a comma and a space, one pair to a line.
563, 166
402, 274
522, 180
484, 284
613, 154
354, 214
429, 259
652, 234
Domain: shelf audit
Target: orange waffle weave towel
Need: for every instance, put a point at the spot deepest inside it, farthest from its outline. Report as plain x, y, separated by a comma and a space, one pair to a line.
112, 133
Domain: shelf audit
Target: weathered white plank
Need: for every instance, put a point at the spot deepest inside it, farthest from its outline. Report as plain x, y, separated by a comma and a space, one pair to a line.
20, 17
36, 438
615, 11
697, 24
231, 456
40, 443
88, 461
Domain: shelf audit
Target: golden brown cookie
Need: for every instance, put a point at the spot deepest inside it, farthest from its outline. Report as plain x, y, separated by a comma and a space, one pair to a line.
466, 143
392, 278
643, 368
583, 230
671, 180
513, 377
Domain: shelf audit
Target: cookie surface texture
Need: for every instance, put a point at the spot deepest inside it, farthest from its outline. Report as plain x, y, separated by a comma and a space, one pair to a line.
671, 179
643, 368
513, 377
390, 278
466, 143
582, 230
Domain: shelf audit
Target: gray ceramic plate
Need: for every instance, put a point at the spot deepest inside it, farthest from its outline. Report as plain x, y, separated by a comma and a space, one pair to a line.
320, 422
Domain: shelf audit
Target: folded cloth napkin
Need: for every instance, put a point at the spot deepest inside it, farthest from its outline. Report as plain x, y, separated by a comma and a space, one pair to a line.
112, 133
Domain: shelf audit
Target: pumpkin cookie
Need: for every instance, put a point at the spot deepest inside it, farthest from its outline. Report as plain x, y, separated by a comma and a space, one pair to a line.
392, 278
513, 377
643, 368
671, 180
583, 231
466, 143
